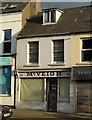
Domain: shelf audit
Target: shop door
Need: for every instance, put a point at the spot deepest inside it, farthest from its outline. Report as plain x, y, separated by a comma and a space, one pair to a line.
52, 94
84, 97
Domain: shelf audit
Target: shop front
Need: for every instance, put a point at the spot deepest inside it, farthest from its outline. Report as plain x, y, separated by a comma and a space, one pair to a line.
47, 89
6, 81
83, 79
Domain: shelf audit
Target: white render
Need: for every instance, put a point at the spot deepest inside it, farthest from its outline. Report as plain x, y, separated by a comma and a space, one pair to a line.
10, 21
45, 52
45, 61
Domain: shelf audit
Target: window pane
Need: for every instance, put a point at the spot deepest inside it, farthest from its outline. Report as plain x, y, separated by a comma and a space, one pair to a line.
58, 50
87, 55
46, 17
64, 89
87, 44
53, 16
7, 47
7, 34
33, 52
32, 89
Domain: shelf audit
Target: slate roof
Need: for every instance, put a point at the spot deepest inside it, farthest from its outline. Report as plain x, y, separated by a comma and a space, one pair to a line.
73, 20
11, 7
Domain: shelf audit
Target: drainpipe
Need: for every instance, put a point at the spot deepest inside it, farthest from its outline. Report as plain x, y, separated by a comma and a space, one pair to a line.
15, 84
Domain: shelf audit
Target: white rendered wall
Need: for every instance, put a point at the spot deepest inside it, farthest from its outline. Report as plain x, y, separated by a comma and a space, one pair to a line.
45, 52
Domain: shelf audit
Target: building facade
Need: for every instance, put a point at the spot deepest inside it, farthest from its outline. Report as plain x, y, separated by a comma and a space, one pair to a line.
11, 14
54, 53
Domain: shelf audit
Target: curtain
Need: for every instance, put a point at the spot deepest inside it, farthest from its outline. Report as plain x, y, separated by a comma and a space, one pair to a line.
31, 90
64, 89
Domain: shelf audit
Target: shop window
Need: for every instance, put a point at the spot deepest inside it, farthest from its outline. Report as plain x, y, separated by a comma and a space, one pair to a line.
87, 50
33, 52
32, 89
58, 51
5, 80
7, 41
64, 89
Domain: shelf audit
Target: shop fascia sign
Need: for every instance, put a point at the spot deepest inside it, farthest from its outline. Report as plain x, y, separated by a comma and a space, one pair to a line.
82, 72
45, 74
5, 61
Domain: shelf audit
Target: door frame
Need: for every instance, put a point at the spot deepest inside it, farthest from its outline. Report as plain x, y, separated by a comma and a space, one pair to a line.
48, 92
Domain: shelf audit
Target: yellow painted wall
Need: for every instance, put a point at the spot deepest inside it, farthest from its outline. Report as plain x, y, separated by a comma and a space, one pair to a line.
76, 45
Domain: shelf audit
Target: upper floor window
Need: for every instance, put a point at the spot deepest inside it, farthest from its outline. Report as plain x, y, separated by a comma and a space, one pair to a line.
7, 41
33, 52
58, 51
7, 34
87, 50
49, 16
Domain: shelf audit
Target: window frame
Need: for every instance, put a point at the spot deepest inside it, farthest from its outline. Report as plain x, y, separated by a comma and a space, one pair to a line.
7, 41
37, 51
85, 50
58, 62
49, 17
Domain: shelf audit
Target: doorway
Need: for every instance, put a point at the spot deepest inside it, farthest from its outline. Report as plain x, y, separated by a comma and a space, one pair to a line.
51, 94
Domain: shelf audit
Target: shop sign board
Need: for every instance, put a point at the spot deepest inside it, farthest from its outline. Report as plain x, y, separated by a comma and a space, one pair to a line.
5, 61
82, 72
45, 74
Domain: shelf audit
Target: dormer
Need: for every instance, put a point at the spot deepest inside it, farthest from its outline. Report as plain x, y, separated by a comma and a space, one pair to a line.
51, 15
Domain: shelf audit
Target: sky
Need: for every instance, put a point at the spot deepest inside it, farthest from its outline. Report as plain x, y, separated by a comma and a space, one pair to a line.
63, 4
56, 3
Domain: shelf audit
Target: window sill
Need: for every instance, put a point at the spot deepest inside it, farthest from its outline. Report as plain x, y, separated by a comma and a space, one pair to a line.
7, 54
57, 64
32, 65
5, 95
49, 23
84, 63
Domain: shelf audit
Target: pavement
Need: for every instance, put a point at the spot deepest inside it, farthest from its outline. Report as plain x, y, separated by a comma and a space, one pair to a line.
27, 114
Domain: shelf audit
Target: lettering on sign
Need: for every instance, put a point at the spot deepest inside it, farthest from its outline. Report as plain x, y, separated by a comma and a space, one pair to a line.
82, 72
45, 74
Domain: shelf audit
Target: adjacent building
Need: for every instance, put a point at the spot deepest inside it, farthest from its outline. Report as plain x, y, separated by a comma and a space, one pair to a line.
54, 61
13, 17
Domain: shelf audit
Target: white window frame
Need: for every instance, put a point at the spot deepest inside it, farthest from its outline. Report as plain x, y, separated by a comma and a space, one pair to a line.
83, 61
54, 62
49, 19
28, 61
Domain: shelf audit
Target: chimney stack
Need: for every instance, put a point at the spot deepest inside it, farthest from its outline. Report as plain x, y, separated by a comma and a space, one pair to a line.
32, 8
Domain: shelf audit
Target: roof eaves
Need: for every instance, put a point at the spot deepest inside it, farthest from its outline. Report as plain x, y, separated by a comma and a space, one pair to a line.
41, 35
47, 35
